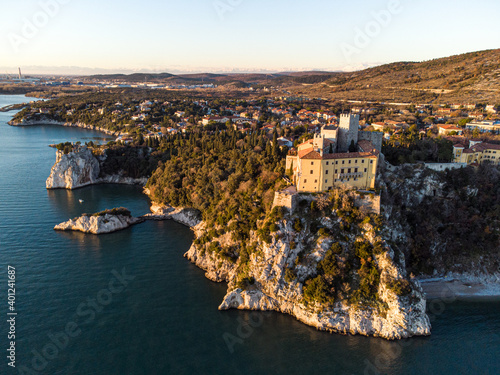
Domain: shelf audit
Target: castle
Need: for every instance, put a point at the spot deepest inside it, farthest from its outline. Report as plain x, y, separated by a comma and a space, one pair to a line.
337, 156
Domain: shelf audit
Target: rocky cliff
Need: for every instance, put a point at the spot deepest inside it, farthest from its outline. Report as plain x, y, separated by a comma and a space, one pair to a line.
444, 222
279, 273
73, 170
98, 224
81, 168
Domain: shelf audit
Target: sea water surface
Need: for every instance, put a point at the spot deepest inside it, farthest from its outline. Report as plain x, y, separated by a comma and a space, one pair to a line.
163, 317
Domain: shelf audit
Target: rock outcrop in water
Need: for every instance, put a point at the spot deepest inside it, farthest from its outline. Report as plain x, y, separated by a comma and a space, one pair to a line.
73, 170
99, 223
80, 168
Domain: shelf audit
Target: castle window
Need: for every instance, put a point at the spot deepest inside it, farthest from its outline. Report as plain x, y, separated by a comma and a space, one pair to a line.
326, 181
349, 170
343, 161
363, 161
327, 163
337, 162
312, 171
355, 170
342, 171
371, 161
315, 181
312, 163
356, 161
326, 172
365, 170
336, 171
349, 161
305, 181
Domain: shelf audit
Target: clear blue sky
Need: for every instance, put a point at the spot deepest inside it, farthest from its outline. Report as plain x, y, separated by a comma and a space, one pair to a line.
246, 35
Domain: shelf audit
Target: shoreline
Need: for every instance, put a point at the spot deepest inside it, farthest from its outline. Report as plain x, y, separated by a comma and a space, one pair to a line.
66, 124
460, 289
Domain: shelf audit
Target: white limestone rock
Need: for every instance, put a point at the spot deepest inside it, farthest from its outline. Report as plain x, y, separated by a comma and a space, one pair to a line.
74, 169
404, 316
186, 216
80, 168
107, 223
122, 180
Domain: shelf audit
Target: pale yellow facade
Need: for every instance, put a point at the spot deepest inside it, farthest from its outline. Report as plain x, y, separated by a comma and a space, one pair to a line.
325, 162
477, 154
357, 171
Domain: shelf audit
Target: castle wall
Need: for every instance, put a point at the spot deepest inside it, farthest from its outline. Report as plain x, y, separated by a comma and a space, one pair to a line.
375, 138
286, 198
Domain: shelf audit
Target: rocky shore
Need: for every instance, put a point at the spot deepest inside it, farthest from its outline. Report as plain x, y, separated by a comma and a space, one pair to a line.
47, 121
403, 317
80, 168
186, 216
400, 315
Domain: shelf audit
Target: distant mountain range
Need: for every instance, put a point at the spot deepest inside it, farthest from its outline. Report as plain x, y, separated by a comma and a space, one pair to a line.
472, 77
219, 79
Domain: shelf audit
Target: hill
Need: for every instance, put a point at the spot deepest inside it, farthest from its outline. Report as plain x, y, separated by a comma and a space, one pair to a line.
472, 77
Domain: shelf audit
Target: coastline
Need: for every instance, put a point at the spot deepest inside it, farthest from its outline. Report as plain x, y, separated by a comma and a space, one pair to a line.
462, 287
359, 323
66, 124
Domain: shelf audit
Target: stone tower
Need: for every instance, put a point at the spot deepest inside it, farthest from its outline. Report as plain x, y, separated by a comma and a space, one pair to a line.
348, 132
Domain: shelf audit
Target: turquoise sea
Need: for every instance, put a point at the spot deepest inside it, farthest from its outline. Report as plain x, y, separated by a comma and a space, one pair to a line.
129, 303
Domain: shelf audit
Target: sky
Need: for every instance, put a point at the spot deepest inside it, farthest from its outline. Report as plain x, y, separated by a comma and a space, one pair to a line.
101, 36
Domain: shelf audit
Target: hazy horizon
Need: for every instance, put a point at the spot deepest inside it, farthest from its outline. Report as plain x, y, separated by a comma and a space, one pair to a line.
237, 36
83, 71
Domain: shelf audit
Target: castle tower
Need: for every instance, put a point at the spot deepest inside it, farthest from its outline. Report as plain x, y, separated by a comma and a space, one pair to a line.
348, 132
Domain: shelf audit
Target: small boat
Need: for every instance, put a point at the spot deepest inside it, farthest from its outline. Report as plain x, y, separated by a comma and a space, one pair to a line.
81, 200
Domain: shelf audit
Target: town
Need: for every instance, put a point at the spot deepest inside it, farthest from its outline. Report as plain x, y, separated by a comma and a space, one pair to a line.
329, 144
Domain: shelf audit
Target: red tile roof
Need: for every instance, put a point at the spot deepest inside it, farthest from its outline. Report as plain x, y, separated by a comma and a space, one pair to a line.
367, 146
304, 152
309, 154
491, 146
450, 127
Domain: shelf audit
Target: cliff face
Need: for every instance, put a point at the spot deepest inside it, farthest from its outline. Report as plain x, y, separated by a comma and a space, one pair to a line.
401, 317
81, 168
442, 220
98, 224
73, 170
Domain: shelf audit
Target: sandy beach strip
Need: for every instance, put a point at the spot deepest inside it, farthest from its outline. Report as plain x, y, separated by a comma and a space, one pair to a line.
443, 288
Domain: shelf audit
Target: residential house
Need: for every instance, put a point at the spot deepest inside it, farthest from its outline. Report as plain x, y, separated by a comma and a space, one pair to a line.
476, 152
447, 129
